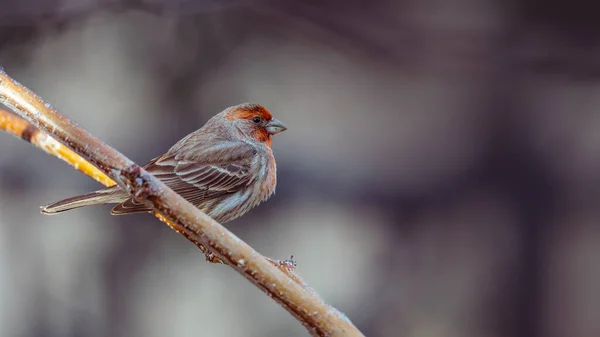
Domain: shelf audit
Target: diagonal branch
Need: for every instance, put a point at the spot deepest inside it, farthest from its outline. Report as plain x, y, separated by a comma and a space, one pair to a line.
319, 318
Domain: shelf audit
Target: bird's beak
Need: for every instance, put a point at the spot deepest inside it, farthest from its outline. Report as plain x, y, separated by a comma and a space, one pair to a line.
274, 127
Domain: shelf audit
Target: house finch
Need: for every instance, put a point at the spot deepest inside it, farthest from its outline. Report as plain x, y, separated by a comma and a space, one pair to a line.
225, 168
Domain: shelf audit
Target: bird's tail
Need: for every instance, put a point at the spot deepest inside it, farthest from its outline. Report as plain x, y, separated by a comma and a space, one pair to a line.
105, 196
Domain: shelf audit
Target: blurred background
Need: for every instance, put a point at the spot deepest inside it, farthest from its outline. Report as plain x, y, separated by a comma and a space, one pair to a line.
440, 175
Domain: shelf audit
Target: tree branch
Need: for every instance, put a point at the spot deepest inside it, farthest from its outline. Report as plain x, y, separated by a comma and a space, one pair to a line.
86, 153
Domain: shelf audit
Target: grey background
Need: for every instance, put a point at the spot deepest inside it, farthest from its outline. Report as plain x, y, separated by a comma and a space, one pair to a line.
440, 174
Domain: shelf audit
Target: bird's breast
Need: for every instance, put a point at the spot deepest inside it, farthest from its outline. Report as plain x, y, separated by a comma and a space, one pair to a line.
268, 180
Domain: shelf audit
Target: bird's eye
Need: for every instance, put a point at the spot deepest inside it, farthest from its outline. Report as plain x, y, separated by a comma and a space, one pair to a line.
257, 120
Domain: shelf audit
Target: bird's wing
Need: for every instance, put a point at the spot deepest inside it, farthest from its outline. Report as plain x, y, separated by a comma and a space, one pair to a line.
218, 171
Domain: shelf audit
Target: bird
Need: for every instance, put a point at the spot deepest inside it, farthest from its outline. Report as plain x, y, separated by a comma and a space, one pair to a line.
225, 168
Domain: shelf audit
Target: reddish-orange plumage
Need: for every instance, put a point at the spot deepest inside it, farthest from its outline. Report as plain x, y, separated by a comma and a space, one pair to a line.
263, 135
225, 168
249, 112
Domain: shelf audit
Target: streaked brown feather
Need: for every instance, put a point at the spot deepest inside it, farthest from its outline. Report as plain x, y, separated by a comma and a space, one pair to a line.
198, 181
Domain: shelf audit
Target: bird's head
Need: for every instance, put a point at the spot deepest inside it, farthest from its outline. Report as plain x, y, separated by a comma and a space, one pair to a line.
254, 121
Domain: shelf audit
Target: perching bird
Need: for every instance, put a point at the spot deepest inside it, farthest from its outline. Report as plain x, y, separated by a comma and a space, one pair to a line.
225, 168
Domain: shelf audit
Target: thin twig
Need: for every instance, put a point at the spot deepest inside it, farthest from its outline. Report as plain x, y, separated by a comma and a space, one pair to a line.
19, 127
319, 318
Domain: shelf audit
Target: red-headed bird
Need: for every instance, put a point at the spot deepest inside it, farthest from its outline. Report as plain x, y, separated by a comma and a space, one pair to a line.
225, 168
